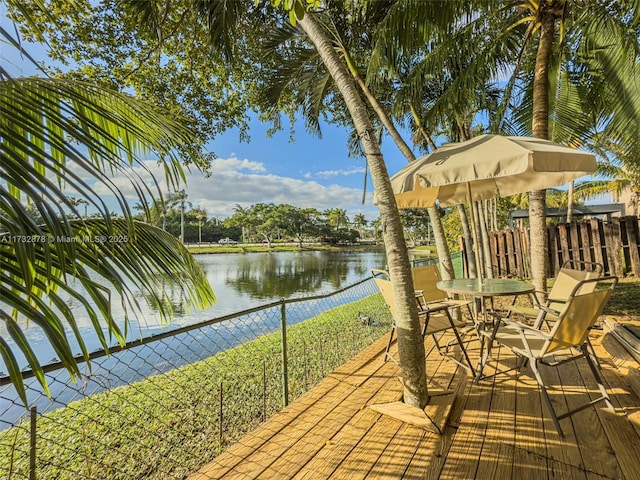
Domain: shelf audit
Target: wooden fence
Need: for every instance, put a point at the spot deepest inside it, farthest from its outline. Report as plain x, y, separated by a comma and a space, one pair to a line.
615, 244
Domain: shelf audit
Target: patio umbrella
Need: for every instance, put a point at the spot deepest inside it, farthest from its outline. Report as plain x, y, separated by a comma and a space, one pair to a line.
484, 166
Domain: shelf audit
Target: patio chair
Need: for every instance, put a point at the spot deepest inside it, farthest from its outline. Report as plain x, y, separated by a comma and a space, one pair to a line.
568, 277
567, 337
425, 279
434, 317
571, 273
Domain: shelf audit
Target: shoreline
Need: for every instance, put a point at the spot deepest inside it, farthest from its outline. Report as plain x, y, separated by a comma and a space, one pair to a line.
278, 247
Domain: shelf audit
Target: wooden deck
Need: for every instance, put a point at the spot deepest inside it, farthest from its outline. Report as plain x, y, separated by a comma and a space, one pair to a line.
496, 429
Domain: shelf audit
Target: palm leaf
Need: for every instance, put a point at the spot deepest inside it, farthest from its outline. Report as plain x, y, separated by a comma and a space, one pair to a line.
60, 135
151, 262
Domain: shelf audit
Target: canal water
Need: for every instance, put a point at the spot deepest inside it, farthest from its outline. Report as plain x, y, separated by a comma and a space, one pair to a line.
239, 281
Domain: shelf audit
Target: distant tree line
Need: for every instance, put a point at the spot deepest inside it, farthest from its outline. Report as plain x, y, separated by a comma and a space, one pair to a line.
259, 223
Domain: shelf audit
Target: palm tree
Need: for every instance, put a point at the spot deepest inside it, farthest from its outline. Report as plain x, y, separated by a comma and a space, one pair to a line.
200, 215
619, 165
410, 343
360, 221
307, 76
337, 217
619, 178
221, 17
555, 198
575, 59
582, 30
49, 131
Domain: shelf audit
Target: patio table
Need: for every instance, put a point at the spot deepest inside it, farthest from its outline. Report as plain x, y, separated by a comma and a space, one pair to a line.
485, 287
482, 289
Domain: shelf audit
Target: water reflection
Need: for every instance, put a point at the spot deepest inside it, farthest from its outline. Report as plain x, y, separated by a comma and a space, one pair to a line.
239, 281
269, 276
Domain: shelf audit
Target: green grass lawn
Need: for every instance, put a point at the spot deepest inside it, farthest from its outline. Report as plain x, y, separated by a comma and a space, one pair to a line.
279, 247
168, 425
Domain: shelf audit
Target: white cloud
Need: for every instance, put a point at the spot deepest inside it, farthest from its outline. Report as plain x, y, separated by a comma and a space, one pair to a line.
243, 182
341, 172
235, 164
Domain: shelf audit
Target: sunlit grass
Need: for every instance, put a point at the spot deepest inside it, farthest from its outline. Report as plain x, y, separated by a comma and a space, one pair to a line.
278, 247
168, 425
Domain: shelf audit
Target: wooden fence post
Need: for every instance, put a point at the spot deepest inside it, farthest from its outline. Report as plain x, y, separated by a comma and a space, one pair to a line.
614, 244
596, 238
632, 247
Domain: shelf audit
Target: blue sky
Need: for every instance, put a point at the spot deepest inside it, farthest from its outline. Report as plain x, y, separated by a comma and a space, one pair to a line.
308, 172
305, 172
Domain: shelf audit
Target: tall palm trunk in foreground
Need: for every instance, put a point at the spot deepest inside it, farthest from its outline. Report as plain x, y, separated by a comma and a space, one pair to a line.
540, 129
410, 343
440, 239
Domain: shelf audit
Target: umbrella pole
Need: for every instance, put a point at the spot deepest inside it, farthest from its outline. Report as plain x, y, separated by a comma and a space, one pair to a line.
474, 231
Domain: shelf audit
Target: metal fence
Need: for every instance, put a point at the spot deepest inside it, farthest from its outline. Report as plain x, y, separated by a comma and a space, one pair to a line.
162, 406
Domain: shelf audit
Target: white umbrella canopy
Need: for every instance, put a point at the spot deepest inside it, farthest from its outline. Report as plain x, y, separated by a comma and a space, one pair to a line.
486, 165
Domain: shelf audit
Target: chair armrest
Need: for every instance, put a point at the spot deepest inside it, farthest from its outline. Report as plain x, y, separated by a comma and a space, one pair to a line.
556, 300
534, 297
523, 328
547, 309
457, 302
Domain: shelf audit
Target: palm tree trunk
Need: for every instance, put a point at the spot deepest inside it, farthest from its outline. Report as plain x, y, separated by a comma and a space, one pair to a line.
421, 129
380, 112
439, 237
410, 343
468, 241
182, 221
540, 129
442, 247
486, 247
477, 248
570, 202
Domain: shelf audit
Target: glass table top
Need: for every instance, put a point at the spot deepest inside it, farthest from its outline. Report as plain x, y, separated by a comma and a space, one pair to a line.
486, 287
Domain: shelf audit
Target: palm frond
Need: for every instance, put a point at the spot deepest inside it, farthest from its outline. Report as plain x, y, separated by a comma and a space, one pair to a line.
60, 135
106, 264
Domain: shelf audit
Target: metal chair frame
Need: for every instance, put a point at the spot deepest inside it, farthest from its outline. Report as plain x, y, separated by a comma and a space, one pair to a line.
568, 334
546, 312
436, 315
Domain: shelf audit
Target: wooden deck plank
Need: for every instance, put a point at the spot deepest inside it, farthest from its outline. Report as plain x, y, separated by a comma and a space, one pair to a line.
429, 450
383, 387
562, 457
365, 454
496, 458
289, 417
497, 429
408, 445
421, 448
330, 457
400, 446
531, 447
619, 429
298, 453
257, 461
333, 453
435, 468
562, 451
626, 366
592, 441
463, 455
